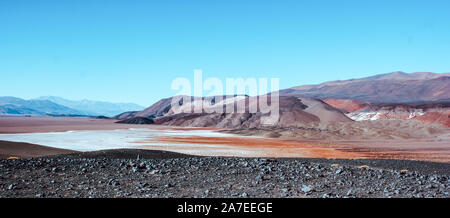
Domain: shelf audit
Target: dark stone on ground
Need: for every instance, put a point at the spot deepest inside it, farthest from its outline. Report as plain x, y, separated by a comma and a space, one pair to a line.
121, 173
137, 120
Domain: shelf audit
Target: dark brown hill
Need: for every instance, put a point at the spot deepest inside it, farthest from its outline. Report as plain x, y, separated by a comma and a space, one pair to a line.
137, 120
293, 111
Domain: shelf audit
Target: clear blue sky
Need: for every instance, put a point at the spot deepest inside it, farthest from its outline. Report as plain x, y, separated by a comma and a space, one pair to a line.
130, 51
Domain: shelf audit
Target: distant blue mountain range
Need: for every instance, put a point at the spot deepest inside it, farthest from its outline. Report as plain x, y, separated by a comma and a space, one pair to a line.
51, 105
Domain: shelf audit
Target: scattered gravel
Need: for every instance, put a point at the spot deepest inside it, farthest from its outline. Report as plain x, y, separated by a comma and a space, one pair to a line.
120, 173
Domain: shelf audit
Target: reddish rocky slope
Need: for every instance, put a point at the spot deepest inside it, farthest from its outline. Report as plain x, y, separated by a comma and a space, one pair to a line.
426, 112
395, 87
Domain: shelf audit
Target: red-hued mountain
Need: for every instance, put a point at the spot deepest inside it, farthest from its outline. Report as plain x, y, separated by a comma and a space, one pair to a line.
426, 112
397, 87
442, 118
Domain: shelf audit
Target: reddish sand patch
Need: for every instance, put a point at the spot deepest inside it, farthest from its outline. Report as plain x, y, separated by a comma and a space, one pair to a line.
404, 150
17, 150
275, 147
21, 124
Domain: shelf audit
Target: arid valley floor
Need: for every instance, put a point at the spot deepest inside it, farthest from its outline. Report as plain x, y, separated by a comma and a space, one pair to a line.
225, 163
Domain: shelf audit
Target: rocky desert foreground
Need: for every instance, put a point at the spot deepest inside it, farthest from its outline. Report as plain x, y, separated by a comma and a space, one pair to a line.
144, 173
